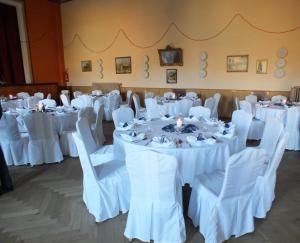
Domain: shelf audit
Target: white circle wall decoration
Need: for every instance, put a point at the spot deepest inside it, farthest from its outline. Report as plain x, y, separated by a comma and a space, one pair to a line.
146, 66
282, 52
99, 68
203, 55
280, 63
203, 74
279, 73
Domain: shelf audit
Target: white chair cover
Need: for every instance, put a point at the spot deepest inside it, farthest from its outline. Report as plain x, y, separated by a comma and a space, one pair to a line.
156, 199
209, 103
257, 126
87, 100
272, 132
123, 114
139, 110
149, 95
97, 128
97, 92
39, 95
112, 103
14, 146
115, 91
192, 95
65, 100
221, 202
150, 102
88, 113
77, 103
278, 99
76, 94
49, 96
251, 98
182, 107
43, 144
200, 111
169, 95
23, 95
128, 99
293, 128
264, 192
31, 102
156, 111
242, 121
105, 187
48, 103
236, 103
216, 98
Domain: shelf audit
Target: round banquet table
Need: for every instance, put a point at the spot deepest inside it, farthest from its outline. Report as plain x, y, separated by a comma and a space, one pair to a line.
192, 160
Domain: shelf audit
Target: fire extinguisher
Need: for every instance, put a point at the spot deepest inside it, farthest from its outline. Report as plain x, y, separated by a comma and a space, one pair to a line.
66, 74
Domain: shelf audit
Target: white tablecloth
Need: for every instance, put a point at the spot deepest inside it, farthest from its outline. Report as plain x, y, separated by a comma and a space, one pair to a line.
192, 160
264, 113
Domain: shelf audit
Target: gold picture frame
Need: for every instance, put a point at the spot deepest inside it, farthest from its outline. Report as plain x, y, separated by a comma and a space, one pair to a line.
237, 63
262, 66
123, 65
171, 76
170, 56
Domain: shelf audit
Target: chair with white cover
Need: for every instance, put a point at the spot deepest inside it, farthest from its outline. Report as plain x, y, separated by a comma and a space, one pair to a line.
65, 100
106, 185
155, 211
123, 114
154, 110
150, 102
115, 91
128, 99
43, 146
77, 103
293, 128
216, 98
209, 103
278, 99
264, 192
87, 100
39, 95
97, 92
257, 126
199, 111
272, 132
182, 107
48, 103
31, 102
242, 121
169, 95
221, 202
192, 95
49, 96
23, 95
139, 110
76, 94
89, 114
236, 103
251, 98
149, 95
14, 146
112, 103
97, 127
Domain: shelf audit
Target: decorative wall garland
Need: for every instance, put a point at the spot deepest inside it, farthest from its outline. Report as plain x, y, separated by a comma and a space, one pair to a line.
174, 25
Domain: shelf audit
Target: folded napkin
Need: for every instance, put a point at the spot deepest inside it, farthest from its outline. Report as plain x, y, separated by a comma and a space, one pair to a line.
162, 141
226, 132
189, 128
211, 121
167, 117
169, 128
200, 140
124, 126
191, 119
133, 137
141, 120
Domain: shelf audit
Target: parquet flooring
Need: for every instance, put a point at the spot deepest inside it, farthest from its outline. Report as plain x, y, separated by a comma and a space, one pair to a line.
46, 206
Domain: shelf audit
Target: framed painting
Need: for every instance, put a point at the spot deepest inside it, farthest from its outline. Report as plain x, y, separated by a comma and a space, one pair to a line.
238, 63
171, 76
170, 56
123, 65
86, 66
262, 66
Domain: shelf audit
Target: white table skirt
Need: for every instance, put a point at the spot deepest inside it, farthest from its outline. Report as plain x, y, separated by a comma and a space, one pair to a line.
192, 161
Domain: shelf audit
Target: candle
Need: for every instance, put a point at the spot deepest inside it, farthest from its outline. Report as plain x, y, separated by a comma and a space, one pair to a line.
179, 123
173, 96
40, 107
10, 96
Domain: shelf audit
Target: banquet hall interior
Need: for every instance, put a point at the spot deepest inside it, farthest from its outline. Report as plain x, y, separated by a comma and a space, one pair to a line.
149, 121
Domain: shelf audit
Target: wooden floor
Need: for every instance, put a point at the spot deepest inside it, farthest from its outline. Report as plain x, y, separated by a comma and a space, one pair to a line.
46, 206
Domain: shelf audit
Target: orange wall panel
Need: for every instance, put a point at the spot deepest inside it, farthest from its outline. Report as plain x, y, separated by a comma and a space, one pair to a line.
43, 21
